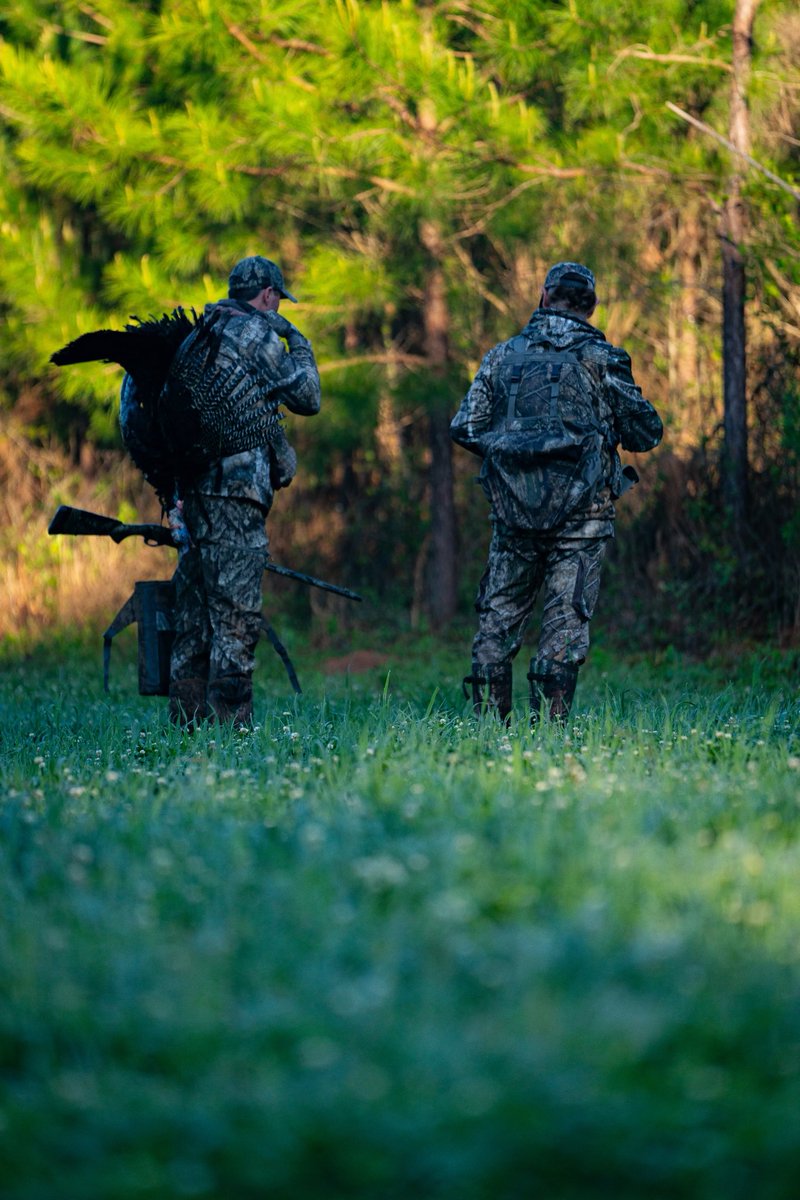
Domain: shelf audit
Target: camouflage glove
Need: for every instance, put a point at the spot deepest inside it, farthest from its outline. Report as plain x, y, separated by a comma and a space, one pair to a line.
282, 461
178, 529
285, 329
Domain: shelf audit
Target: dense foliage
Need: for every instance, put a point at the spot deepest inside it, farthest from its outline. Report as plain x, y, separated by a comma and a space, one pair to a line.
414, 167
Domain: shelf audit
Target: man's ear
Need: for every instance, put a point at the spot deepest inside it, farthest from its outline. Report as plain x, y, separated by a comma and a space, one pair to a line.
544, 299
259, 301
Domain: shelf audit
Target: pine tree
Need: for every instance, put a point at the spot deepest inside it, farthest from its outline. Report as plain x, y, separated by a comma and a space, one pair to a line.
414, 168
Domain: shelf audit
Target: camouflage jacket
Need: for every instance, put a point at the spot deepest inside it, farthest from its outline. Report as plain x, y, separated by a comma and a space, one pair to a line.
631, 420
249, 337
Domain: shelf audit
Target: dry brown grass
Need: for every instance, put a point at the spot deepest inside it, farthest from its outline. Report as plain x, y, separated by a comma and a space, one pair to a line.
73, 583
79, 583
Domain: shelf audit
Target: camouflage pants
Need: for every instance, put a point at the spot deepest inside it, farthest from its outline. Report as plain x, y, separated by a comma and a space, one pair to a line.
218, 603
518, 567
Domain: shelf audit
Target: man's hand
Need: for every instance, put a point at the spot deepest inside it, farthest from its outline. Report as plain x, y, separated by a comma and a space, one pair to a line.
283, 328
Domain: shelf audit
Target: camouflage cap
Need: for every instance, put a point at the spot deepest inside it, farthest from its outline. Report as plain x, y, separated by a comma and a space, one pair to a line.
569, 272
256, 272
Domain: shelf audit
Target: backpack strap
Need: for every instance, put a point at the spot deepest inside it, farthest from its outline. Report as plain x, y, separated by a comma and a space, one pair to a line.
554, 379
519, 345
557, 359
513, 390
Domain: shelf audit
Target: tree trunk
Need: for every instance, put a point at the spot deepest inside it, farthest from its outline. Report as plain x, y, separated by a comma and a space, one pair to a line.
388, 438
734, 360
442, 580
440, 576
684, 356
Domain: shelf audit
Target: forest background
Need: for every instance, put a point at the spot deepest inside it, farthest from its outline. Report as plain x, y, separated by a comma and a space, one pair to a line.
414, 168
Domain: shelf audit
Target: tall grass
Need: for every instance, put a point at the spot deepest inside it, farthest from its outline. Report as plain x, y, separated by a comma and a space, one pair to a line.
57, 582
376, 949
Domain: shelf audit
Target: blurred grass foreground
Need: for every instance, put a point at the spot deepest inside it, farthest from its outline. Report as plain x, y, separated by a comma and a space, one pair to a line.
377, 950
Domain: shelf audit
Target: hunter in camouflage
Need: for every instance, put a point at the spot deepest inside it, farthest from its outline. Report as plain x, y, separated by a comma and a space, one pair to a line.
546, 413
218, 580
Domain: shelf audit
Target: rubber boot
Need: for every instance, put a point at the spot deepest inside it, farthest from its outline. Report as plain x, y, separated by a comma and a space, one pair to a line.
491, 689
187, 702
552, 684
230, 699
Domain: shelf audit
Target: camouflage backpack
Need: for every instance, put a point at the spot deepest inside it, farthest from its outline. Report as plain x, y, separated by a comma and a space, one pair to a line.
210, 407
544, 458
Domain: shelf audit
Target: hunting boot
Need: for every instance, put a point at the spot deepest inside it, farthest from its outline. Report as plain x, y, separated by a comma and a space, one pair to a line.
187, 702
552, 684
230, 699
491, 689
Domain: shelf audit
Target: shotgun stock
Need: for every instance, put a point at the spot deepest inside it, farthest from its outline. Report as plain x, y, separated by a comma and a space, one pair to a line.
80, 522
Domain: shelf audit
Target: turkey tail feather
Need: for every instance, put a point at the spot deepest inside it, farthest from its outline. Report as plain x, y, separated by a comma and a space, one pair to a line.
149, 344
104, 345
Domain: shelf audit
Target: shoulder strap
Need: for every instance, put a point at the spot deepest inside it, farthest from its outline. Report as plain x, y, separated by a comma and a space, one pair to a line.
519, 345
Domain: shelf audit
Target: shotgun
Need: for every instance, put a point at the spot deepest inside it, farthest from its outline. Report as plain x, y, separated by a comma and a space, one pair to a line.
79, 521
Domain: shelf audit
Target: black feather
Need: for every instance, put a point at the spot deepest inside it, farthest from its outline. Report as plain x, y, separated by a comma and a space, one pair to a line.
104, 345
144, 349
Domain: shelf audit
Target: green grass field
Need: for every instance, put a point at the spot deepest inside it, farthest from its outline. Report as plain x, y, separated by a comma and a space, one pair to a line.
375, 950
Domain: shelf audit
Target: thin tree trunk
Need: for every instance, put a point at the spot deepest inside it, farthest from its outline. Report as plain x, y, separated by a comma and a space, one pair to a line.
684, 358
442, 580
388, 440
441, 574
733, 281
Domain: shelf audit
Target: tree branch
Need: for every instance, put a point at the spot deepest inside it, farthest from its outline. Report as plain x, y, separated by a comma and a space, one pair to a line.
106, 22
479, 225
548, 171
299, 44
96, 39
243, 40
390, 358
753, 162
644, 52
284, 43
786, 289
388, 185
476, 277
